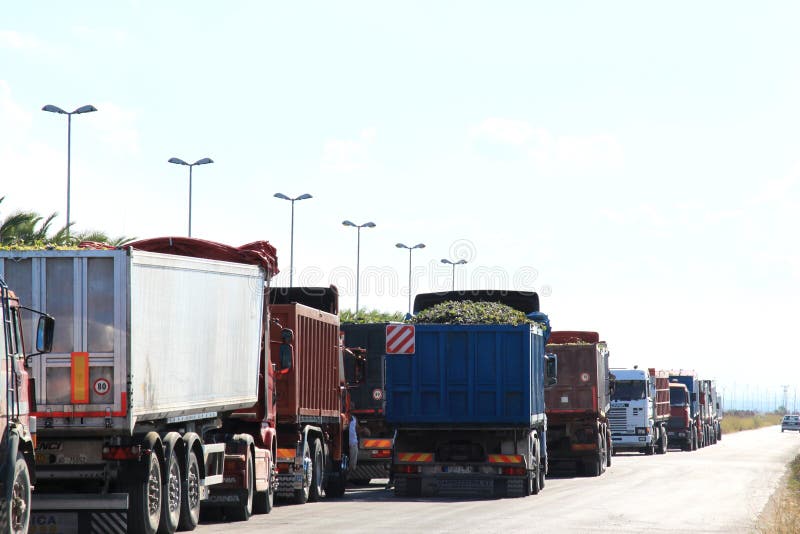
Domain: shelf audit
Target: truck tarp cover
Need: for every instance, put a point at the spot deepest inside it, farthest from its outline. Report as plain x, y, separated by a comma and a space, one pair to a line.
256, 253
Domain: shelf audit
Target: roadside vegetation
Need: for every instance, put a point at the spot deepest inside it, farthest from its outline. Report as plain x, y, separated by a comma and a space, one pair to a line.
735, 421
373, 316
782, 514
27, 230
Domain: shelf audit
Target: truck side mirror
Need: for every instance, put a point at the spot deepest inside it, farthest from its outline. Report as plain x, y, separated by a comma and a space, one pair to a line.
44, 334
550, 370
286, 357
286, 352
612, 384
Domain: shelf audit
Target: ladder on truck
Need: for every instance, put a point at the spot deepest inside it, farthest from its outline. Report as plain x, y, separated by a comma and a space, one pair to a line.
11, 378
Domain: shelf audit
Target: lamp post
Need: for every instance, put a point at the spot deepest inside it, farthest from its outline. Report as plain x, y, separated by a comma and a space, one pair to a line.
291, 249
358, 252
401, 245
454, 263
179, 161
55, 109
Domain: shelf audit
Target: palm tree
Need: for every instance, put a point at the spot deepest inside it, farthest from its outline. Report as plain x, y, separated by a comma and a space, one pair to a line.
30, 228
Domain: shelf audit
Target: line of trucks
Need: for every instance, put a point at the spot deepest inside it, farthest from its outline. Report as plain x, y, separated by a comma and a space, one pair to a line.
170, 379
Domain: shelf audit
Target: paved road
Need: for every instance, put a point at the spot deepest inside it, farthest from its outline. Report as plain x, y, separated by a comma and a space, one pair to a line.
721, 488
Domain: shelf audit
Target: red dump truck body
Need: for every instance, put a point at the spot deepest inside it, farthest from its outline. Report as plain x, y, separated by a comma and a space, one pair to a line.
661, 400
309, 392
577, 406
311, 401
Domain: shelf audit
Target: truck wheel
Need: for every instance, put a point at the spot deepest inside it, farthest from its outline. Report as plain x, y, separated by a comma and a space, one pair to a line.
145, 493
534, 481
264, 500
317, 468
243, 510
662, 442
171, 500
609, 448
694, 439
602, 455
190, 494
16, 513
301, 495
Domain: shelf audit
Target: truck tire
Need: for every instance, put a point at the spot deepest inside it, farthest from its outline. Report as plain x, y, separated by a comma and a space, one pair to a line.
301, 495
694, 439
602, 454
534, 479
663, 442
243, 510
15, 516
190, 494
263, 501
171, 495
609, 448
317, 472
144, 513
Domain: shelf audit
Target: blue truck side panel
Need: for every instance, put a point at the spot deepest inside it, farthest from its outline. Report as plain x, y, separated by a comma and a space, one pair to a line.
468, 374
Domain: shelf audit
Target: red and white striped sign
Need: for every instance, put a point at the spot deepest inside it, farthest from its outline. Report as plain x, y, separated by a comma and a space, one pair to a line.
400, 339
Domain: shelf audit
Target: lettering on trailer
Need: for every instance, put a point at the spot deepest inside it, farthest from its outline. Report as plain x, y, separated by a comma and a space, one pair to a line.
400, 338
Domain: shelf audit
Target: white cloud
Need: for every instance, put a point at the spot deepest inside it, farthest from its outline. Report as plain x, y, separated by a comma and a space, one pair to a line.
509, 131
19, 41
117, 127
101, 35
551, 152
347, 155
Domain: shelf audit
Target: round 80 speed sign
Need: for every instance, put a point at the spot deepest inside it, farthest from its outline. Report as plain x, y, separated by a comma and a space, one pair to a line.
101, 386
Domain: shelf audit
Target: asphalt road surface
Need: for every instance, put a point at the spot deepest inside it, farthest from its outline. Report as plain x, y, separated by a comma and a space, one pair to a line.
721, 488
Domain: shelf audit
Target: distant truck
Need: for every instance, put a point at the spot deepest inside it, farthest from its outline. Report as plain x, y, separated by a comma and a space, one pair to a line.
577, 407
376, 440
467, 403
17, 426
693, 386
708, 411
312, 418
681, 428
640, 410
152, 353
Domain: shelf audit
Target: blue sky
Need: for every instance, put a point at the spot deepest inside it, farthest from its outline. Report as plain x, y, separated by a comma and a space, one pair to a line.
636, 163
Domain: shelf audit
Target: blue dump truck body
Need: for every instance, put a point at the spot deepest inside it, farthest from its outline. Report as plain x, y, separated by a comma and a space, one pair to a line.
468, 410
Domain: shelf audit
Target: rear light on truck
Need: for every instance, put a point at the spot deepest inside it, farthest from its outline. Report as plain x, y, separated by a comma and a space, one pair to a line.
283, 467
407, 469
513, 471
383, 453
119, 452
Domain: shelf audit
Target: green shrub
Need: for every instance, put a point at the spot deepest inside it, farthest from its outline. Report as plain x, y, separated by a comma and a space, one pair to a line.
469, 312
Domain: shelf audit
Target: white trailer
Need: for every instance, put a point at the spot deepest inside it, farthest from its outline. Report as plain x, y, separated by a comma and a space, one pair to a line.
150, 352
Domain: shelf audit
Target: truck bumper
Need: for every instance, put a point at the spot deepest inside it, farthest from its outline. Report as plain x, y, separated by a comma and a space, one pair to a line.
288, 483
80, 513
367, 468
459, 485
629, 442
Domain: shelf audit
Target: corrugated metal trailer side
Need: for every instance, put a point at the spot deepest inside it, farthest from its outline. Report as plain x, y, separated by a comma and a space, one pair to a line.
309, 391
468, 374
140, 336
583, 382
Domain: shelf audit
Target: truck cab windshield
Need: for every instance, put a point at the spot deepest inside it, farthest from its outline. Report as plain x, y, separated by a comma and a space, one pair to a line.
677, 397
628, 390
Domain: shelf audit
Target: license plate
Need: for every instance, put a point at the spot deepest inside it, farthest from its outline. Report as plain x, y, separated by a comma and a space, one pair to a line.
460, 469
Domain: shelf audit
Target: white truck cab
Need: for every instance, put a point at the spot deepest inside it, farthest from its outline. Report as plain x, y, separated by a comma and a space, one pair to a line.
637, 422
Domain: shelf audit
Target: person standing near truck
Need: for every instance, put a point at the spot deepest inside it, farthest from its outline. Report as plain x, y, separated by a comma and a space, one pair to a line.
353, 441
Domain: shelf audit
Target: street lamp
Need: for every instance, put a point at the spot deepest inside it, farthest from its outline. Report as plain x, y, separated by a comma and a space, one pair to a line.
358, 252
179, 161
401, 245
291, 249
55, 109
459, 262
